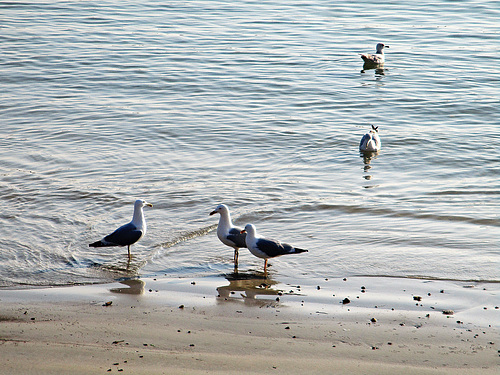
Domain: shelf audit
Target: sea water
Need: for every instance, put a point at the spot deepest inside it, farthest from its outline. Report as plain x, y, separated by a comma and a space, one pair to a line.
259, 105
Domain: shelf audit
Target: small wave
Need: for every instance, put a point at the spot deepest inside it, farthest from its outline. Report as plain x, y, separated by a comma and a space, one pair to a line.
434, 278
188, 235
392, 213
122, 268
465, 192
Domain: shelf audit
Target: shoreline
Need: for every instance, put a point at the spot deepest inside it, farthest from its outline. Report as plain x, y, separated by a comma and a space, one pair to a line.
251, 325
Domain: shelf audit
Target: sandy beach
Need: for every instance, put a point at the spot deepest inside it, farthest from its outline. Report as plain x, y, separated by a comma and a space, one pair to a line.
249, 326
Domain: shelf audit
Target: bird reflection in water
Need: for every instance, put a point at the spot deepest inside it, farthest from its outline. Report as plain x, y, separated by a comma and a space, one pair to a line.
249, 289
133, 286
367, 158
379, 71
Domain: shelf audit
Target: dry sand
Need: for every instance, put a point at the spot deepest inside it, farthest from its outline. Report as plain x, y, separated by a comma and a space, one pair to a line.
249, 328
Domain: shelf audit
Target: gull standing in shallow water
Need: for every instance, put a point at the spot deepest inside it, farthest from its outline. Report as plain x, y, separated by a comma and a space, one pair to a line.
263, 248
375, 59
370, 141
127, 234
227, 232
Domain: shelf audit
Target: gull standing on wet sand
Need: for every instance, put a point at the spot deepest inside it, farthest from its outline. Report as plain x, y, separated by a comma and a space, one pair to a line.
127, 234
263, 248
375, 59
370, 141
229, 234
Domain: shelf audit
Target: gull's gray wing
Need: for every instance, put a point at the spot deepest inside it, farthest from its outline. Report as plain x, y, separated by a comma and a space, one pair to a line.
127, 234
364, 140
237, 237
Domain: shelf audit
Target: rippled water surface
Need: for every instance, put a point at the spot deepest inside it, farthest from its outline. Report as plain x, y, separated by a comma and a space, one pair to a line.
260, 105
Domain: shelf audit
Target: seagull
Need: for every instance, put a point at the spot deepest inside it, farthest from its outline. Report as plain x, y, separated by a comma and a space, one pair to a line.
378, 58
370, 141
263, 248
229, 234
127, 234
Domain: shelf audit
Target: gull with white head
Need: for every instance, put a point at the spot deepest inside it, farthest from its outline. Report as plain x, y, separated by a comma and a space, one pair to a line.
127, 234
375, 59
229, 234
370, 141
264, 248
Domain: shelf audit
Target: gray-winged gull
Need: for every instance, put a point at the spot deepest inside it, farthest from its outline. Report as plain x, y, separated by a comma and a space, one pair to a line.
264, 248
375, 59
370, 141
229, 234
127, 234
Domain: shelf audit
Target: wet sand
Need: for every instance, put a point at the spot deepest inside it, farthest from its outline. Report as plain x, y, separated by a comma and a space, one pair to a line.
252, 325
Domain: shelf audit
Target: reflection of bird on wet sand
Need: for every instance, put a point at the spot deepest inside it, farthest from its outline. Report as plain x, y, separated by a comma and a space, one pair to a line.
246, 288
134, 286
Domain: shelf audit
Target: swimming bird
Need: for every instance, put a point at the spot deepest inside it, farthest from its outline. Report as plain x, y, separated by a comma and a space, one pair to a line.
127, 234
375, 59
370, 141
227, 232
264, 248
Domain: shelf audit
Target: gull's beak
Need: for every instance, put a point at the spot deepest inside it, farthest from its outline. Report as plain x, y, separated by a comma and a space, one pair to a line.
386, 47
148, 204
213, 212
243, 231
